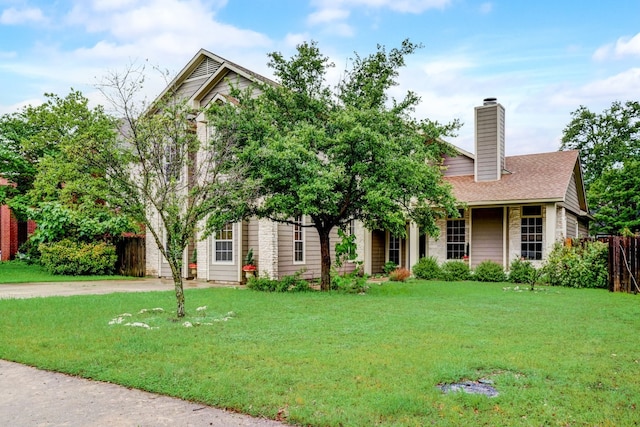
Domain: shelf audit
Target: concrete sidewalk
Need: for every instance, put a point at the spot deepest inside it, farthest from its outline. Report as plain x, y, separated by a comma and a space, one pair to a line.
32, 397
32, 290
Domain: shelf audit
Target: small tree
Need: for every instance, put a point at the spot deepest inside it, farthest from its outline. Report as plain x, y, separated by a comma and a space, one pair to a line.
162, 174
340, 154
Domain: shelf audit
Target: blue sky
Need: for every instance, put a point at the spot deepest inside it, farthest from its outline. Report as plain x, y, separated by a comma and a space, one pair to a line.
541, 59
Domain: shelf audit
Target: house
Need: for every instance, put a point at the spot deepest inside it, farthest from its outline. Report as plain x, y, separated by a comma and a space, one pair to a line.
13, 233
279, 249
511, 206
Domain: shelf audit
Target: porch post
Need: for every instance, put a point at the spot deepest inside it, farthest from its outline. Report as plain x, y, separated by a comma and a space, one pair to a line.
414, 245
549, 228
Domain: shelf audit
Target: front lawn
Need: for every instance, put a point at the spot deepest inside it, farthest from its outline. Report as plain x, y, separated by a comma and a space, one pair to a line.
21, 272
556, 356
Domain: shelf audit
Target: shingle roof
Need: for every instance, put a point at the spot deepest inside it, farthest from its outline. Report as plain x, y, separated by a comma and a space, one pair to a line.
530, 177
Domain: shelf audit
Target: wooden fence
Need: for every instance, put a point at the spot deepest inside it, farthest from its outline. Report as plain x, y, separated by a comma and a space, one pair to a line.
624, 264
131, 256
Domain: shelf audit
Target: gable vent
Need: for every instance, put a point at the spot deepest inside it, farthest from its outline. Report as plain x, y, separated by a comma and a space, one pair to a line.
207, 67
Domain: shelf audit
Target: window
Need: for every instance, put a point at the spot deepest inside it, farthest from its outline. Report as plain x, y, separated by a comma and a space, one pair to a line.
456, 237
298, 240
394, 250
224, 244
531, 233
172, 163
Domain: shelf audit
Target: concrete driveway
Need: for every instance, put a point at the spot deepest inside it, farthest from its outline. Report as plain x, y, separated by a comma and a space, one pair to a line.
32, 397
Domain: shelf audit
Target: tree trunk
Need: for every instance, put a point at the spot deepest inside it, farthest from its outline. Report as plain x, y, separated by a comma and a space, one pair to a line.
176, 271
177, 284
325, 259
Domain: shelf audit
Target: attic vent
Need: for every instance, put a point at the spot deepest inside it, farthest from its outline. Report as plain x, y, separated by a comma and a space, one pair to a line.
207, 66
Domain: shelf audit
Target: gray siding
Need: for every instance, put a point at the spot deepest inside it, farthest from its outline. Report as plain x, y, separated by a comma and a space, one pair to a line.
571, 198
226, 271
489, 130
583, 229
572, 223
459, 165
223, 87
486, 234
189, 87
252, 239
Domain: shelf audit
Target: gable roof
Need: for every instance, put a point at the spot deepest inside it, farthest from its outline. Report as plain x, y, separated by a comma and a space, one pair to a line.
530, 178
203, 71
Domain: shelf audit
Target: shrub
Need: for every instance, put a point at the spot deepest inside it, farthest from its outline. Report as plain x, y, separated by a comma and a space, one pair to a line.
521, 271
455, 271
489, 271
75, 258
400, 274
350, 283
293, 283
389, 266
427, 268
578, 266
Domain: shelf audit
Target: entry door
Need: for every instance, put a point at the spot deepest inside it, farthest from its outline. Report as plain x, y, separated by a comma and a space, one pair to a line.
486, 235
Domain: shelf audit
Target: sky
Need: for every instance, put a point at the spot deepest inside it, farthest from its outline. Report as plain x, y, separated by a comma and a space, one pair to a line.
541, 59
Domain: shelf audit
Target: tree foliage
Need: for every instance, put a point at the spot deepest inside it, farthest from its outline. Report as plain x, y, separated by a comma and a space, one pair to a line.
609, 145
43, 153
337, 154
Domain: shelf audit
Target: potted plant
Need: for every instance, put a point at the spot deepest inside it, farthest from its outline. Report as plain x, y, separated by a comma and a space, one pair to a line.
249, 266
193, 265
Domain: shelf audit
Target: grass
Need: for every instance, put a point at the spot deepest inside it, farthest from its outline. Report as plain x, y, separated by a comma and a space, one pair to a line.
557, 356
21, 272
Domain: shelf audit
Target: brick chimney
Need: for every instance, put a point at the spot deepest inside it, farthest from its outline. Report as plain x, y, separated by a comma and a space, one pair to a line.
489, 140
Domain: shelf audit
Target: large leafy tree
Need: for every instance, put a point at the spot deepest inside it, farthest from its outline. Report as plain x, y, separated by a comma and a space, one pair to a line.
337, 154
609, 144
43, 155
162, 174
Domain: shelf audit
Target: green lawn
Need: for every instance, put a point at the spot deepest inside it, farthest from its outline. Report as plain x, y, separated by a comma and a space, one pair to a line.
21, 272
557, 356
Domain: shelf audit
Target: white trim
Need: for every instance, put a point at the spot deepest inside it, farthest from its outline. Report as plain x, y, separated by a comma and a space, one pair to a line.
233, 247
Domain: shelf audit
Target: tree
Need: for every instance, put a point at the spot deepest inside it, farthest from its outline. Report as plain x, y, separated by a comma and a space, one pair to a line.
609, 145
604, 140
339, 154
43, 155
163, 175
615, 195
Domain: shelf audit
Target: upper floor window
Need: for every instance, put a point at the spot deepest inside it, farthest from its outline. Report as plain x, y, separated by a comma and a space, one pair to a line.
531, 233
223, 246
456, 245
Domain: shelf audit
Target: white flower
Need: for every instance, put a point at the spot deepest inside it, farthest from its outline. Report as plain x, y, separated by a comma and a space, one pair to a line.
157, 310
187, 325
203, 308
138, 325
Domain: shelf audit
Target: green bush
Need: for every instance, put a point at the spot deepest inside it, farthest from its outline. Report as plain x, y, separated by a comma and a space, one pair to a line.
578, 266
427, 268
76, 258
455, 271
521, 271
350, 283
389, 266
489, 271
293, 283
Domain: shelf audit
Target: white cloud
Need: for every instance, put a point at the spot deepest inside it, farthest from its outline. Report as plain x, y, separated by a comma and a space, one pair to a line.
13, 16
623, 47
293, 40
404, 6
327, 16
486, 8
